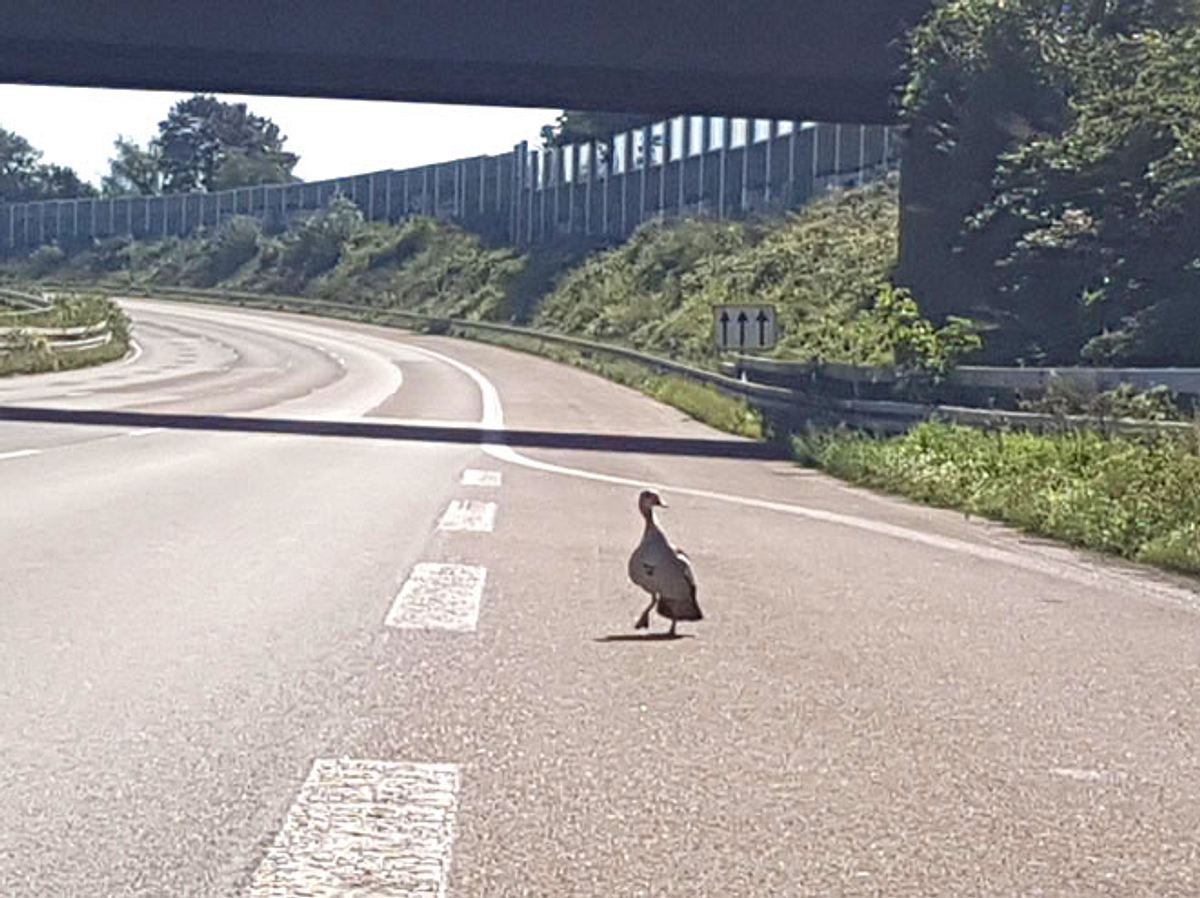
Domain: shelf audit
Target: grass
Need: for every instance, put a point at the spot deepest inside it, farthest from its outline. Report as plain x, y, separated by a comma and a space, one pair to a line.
1138, 498
821, 265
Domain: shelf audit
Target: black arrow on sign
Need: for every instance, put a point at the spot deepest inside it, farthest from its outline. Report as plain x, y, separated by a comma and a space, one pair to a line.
741, 320
724, 328
762, 320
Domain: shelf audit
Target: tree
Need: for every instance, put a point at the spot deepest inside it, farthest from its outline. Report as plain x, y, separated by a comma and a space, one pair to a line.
134, 170
239, 169
201, 134
23, 176
993, 88
578, 126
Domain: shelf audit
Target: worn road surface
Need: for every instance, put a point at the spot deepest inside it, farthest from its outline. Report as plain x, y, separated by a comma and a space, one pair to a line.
255, 664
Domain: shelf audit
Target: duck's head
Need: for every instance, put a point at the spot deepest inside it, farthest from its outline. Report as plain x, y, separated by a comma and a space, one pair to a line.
648, 501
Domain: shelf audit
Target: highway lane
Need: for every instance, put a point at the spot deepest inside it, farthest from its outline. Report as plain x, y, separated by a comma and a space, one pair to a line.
883, 699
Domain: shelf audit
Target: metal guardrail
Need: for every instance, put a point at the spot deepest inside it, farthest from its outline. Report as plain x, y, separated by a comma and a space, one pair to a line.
28, 303
62, 339
790, 406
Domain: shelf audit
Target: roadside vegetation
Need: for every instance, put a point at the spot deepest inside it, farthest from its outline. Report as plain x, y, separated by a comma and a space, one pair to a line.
1136, 498
23, 352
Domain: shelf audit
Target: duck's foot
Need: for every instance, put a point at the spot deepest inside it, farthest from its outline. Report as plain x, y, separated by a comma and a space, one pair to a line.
672, 633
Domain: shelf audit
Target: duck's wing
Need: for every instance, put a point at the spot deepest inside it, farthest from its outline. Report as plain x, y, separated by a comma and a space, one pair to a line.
685, 568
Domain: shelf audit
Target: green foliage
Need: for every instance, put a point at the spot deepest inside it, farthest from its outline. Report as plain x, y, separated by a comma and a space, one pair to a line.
316, 246
133, 170
575, 126
1064, 397
1138, 498
45, 259
24, 177
893, 333
25, 353
201, 137
233, 244
1052, 172
1102, 216
820, 267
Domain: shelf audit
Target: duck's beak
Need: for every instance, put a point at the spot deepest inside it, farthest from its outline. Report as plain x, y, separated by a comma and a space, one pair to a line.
662, 504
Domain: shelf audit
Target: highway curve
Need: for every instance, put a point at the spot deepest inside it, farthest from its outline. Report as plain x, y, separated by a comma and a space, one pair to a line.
248, 663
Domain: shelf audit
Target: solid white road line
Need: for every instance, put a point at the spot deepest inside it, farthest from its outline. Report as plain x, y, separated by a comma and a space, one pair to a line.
19, 453
492, 418
145, 433
439, 597
361, 827
467, 514
472, 477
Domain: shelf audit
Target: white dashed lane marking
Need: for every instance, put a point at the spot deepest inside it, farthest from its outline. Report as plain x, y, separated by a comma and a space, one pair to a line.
439, 597
467, 514
19, 453
473, 477
360, 827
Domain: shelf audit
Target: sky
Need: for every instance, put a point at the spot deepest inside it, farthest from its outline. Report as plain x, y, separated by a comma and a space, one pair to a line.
76, 126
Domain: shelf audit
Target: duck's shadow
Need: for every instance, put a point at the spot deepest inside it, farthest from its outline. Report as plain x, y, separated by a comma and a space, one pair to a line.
643, 637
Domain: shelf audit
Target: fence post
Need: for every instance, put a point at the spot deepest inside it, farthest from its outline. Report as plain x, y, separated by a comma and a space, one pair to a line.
647, 160
747, 148
705, 144
816, 156
591, 181
609, 158
514, 214
483, 184
499, 185
627, 170
684, 150
726, 137
573, 187
664, 167
768, 171
532, 173
862, 152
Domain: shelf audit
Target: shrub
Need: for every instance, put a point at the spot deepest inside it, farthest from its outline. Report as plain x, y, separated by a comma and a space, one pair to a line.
44, 260
317, 245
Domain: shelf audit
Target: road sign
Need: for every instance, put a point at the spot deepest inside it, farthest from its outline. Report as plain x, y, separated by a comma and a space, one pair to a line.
744, 327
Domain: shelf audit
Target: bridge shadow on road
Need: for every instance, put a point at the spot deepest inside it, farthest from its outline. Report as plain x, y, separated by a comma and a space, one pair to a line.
374, 430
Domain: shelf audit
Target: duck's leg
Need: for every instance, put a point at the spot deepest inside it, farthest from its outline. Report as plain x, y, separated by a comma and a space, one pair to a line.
673, 623
644, 621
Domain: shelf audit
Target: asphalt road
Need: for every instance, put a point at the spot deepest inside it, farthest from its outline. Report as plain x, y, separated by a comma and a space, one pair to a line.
221, 672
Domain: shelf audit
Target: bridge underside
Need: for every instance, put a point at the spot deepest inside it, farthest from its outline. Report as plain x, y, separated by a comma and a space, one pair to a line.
831, 60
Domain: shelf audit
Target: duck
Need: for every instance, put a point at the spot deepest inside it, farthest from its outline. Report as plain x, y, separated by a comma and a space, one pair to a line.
663, 570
